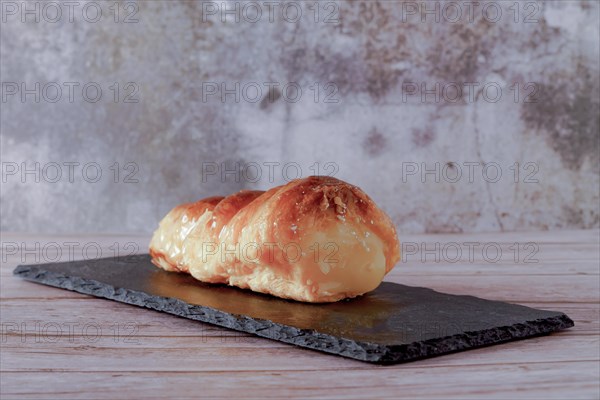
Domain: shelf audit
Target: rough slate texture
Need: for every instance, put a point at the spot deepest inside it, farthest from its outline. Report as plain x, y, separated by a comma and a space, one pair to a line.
394, 323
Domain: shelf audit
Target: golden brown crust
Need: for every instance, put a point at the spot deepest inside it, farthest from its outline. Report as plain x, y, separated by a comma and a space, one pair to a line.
303, 215
228, 207
178, 219
315, 197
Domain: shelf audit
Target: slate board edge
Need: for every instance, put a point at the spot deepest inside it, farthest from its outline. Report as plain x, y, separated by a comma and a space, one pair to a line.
362, 351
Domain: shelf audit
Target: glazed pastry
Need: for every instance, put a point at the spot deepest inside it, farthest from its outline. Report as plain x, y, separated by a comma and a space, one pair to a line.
316, 239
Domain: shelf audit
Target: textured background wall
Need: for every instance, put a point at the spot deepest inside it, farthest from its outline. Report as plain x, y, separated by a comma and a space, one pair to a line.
517, 90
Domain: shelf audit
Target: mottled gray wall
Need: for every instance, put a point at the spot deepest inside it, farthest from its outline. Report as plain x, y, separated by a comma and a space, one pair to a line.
364, 121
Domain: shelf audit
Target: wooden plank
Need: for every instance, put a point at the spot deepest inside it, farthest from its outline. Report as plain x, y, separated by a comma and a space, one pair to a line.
574, 380
173, 357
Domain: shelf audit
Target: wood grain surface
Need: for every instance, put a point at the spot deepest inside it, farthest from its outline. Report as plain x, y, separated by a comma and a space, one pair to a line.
60, 344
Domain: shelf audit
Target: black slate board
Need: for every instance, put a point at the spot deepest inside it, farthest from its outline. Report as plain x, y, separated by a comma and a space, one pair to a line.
394, 323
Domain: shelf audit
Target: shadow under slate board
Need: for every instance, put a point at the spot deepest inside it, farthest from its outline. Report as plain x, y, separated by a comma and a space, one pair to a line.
393, 324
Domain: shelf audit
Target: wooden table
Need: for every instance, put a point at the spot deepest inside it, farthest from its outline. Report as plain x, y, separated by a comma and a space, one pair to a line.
60, 344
